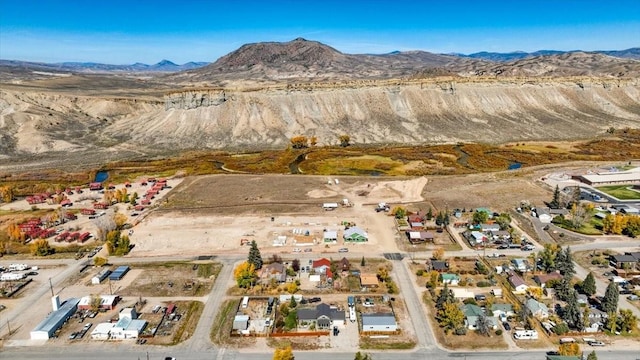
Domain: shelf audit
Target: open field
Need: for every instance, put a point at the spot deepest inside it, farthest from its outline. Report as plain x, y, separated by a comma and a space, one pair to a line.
621, 192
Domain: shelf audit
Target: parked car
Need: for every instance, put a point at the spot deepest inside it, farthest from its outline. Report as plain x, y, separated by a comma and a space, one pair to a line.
343, 250
596, 343
633, 297
296, 250
308, 250
506, 326
314, 300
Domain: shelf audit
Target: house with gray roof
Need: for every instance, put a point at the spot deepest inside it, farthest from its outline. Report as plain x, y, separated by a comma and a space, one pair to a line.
622, 261
379, 322
502, 310
537, 308
323, 315
471, 315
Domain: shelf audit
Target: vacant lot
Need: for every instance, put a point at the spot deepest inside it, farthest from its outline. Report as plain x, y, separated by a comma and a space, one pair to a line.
497, 191
249, 193
172, 279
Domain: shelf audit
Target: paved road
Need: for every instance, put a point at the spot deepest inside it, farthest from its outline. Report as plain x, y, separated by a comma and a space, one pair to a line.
200, 338
77, 353
417, 316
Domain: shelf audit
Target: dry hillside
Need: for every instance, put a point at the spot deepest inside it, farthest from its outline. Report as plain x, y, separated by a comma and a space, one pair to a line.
261, 95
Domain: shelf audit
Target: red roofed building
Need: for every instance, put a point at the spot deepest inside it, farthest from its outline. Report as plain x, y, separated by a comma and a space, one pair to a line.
322, 266
100, 205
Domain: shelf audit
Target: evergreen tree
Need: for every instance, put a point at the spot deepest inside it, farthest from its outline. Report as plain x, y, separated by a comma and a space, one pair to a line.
571, 312
362, 262
364, 356
555, 202
429, 214
592, 356
563, 288
292, 302
610, 300
564, 263
254, 255
589, 285
445, 297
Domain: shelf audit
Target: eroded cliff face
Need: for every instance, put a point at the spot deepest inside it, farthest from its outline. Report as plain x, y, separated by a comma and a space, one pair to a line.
410, 113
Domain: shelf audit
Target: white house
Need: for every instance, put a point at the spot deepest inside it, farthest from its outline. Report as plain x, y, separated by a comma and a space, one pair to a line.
461, 293
518, 284
330, 236
451, 279
521, 265
102, 331
478, 237
379, 322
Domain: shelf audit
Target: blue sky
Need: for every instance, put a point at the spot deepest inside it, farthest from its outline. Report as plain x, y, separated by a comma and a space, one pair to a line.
124, 32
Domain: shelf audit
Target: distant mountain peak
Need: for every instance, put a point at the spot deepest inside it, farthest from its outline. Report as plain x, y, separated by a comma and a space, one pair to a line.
166, 62
299, 51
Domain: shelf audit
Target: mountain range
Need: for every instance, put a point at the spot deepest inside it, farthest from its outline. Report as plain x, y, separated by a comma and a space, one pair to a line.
261, 95
92, 67
312, 56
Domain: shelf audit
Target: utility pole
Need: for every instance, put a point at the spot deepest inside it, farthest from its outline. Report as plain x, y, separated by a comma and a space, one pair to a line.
51, 287
9, 327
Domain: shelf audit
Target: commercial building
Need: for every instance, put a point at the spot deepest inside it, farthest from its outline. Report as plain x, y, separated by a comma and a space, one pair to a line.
107, 302
54, 320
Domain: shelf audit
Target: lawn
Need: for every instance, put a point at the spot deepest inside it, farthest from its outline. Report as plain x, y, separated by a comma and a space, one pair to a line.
621, 192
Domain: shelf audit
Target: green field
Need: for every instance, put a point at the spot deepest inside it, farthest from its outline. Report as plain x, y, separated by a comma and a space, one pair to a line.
621, 192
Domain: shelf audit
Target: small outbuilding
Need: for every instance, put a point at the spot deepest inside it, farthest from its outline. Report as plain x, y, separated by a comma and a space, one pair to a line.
99, 277
379, 322
119, 273
240, 322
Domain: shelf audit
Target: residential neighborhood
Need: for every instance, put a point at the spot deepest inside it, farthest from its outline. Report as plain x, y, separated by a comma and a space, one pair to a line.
478, 277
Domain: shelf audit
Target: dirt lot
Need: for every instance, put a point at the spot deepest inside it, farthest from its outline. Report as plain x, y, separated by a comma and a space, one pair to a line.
497, 191
172, 279
216, 228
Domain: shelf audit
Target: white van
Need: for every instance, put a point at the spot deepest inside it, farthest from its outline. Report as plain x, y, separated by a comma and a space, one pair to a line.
245, 302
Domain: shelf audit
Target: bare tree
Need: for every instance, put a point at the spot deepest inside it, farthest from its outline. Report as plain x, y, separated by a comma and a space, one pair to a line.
483, 325
104, 224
